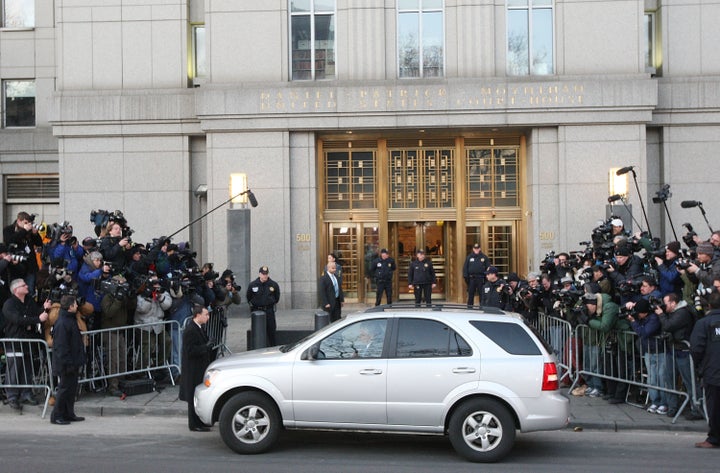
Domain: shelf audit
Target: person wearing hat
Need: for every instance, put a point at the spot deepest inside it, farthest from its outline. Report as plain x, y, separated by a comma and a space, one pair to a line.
68, 357
474, 268
421, 278
669, 279
492, 291
707, 267
646, 324
383, 268
23, 233
705, 350
625, 267
607, 334
618, 227
263, 294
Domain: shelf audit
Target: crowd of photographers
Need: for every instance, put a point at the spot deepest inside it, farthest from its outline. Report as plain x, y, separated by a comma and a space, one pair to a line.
118, 282
625, 283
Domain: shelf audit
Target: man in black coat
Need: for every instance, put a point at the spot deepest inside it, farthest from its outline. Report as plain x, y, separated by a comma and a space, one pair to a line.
68, 358
331, 293
22, 317
263, 294
421, 278
197, 354
705, 350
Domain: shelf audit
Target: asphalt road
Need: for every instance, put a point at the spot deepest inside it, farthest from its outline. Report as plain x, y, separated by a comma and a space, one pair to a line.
163, 444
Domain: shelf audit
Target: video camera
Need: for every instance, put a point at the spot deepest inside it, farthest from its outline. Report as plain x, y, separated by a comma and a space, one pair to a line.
102, 218
548, 263
115, 288
689, 237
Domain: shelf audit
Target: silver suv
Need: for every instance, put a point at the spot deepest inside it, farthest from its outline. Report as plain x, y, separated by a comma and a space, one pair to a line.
475, 375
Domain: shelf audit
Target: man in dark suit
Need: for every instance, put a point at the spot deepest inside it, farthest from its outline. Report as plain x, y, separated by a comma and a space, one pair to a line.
197, 353
331, 293
68, 358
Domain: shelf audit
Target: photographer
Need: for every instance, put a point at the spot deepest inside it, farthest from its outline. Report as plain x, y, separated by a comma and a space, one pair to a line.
677, 321
114, 245
625, 267
23, 234
230, 293
152, 302
69, 250
707, 267
92, 271
668, 275
646, 324
115, 308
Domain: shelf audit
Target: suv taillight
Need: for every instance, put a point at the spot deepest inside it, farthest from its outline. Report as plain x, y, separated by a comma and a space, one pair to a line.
550, 378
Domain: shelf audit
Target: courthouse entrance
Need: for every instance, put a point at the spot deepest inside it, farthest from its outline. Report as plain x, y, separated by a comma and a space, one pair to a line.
441, 193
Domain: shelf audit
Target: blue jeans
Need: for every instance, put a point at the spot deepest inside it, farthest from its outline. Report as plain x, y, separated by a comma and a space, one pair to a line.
656, 367
591, 363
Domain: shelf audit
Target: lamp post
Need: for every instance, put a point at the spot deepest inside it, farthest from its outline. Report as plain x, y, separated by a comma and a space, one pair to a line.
238, 228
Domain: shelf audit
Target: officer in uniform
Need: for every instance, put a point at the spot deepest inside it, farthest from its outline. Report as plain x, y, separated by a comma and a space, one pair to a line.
421, 278
476, 264
705, 350
262, 295
492, 295
383, 269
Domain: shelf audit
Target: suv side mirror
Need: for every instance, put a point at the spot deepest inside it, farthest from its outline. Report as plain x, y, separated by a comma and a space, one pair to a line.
312, 352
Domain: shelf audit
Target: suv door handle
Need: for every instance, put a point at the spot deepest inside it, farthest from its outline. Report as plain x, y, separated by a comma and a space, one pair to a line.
370, 372
463, 370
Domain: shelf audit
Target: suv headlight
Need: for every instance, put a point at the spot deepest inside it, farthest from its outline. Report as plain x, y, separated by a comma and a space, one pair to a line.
210, 377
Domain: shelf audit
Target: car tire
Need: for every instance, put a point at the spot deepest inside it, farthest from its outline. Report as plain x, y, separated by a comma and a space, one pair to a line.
482, 430
249, 423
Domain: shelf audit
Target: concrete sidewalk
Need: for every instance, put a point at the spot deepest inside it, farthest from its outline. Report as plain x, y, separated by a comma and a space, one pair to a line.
585, 412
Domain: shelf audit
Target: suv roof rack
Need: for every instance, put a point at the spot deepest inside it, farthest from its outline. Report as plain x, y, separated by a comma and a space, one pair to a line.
439, 307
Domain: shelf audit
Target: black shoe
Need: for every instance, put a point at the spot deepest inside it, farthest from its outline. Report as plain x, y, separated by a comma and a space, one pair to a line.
614, 400
694, 416
15, 405
200, 429
76, 419
607, 397
59, 422
31, 401
671, 412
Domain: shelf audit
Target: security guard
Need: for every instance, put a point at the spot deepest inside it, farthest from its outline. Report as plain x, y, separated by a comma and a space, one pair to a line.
262, 295
705, 350
476, 264
421, 278
383, 269
492, 291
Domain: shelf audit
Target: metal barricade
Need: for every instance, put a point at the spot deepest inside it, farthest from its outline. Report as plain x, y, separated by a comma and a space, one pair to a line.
619, 358
27, 364
131, 349
559, 334
216, 329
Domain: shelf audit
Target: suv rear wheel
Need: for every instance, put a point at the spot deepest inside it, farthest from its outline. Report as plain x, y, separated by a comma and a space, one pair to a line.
249, 423
482, 430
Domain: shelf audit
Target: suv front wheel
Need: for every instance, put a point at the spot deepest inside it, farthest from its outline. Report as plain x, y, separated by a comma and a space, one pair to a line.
249, 423
482, 430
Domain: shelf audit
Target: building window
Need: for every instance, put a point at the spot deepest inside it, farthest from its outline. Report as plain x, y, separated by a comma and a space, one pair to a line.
422, 178
650, 38
18, 13
492, 177
312, 33
530, 37
18, 103
350, 180
420, 27
199, 58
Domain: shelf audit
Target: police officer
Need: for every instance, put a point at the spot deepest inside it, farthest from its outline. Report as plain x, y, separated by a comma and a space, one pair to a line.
421, 278
383, 269
492, 290
476, 264
705, 349
262, 295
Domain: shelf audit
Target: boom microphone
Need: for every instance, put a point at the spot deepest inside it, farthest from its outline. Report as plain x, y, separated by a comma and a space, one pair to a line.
688, 204
624, 170
252, 199
614, 198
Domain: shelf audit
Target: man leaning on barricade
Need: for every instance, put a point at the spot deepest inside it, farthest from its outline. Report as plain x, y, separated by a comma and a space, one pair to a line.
677, 320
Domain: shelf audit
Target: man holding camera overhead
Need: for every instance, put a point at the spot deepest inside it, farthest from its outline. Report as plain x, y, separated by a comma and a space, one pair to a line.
22, 235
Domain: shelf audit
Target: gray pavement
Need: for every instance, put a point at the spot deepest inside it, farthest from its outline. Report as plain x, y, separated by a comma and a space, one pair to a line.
585, 412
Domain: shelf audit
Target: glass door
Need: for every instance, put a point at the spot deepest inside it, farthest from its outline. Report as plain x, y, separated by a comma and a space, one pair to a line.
355, 246
408, 237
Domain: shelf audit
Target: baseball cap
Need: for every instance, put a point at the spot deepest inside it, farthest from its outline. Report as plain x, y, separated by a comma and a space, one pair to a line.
264, 270
492, 270
616, 222
476, 245
384, 250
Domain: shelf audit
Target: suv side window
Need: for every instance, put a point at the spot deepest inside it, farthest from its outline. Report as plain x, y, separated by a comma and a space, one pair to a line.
419, 338
509, 336
363, 339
